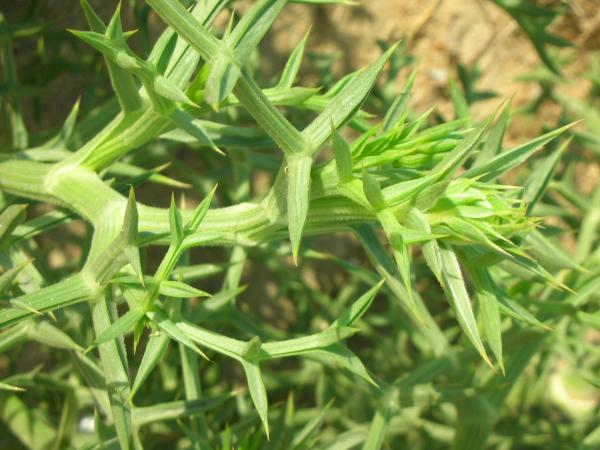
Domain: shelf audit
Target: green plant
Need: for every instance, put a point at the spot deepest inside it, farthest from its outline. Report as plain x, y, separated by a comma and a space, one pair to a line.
435, 187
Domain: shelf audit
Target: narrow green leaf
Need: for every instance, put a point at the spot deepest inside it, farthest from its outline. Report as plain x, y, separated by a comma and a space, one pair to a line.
397, 113
8, 277
121, 80
200, 212
69, 291
224, 74
130, 221
339, 355
292, 66
537, 183
386, 268
10, 387
490, 312
173, 330
298, 196
547, 253
343, 156
428, 198
402, 257
455, 289
153, 353
346, 103
461, 106
194, 128
233, 348
258, 392
175, 223
10, 218
169, 90
493, 143
94, 22
120, 327
179, 289
300, 439
377, 430
511, 158
355, 311
373, 192
47, 334
431, 249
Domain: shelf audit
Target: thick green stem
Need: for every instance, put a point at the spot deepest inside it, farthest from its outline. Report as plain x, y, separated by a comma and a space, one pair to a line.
84, 192
62, 294
114, 364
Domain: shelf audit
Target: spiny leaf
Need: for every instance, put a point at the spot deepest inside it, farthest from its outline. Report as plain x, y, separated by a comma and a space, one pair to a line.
343, 156
346, 103
258, 392
47, 334
549, 254
200, 212
10, 387
461, 106
179, 289
169, 90
173, 330
224, 74
194, 128
339, 354
252, 350
145, 415
511, 158
120, 327
129, 229
373, 192
10, 218
455, 289
301, 438
431, 249
493, 143
353, 313
8, 277
430, 195
490, 312
122, 81
153, 353
386, 268
537, 183
396, 114
95, 23
292, 66
175, 223
298, 196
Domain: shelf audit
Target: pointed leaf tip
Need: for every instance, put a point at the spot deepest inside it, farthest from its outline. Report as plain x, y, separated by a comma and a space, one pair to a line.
298, 198
342, 154
201, 210
130, 221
